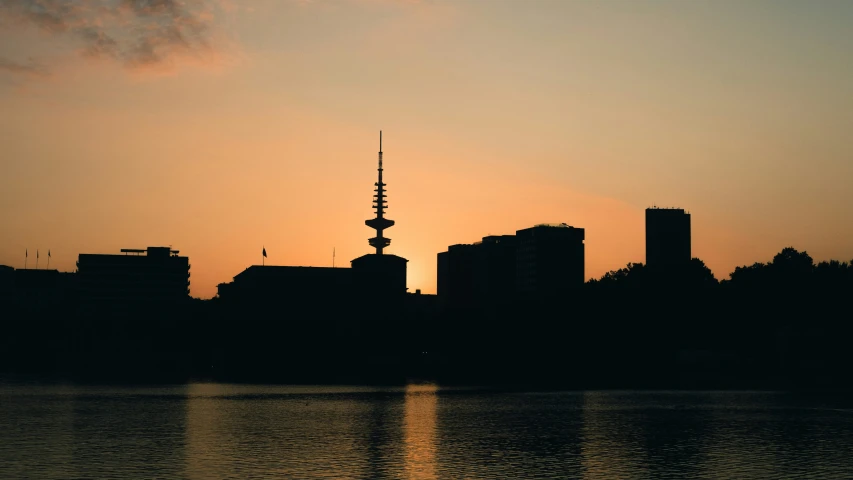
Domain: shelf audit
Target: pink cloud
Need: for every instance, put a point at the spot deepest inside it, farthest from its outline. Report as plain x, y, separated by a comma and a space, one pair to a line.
141, 35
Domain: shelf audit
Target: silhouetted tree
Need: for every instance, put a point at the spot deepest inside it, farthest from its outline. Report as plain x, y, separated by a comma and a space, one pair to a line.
632, 275
752, 276
769, 324
791, 268
695, 274
832, 274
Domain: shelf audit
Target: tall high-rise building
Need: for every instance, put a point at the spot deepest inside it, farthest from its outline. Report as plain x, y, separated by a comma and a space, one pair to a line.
549, 259
667, 237
379, 273
454, 280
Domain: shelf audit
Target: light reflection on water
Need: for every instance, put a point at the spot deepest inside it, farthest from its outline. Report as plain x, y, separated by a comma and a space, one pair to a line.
419, 426
203, 431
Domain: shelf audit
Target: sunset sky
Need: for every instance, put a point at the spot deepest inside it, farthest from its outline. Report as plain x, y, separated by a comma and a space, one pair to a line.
223, 126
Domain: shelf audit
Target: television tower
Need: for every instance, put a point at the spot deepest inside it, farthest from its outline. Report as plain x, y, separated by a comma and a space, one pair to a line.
380, 223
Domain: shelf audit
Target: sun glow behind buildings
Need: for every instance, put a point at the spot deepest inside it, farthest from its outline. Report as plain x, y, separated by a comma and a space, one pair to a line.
498, 117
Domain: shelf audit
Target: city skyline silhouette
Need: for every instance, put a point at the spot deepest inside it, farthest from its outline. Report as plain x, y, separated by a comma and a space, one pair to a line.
668, 244
503, 307
260, 129
607, 239
660, 241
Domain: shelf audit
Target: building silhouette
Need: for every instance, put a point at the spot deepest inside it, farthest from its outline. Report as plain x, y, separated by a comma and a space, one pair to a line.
286, 285
38, 306
7, 281
37, 289
455, 275
43, 285
542, 260
481, 272
133, 316
550, 259
372, 274
667, 237
378, 273
297, 323
152, 274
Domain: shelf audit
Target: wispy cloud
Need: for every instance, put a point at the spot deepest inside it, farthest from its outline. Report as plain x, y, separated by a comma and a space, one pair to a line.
139, 34
29, 68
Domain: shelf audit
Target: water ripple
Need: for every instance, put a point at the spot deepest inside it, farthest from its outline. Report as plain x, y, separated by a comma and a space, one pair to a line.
422, 432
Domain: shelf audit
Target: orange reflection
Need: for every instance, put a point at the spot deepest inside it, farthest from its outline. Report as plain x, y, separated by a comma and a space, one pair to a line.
204, 418
419, 431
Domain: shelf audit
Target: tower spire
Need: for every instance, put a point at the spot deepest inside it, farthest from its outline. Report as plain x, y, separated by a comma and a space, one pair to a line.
379, 223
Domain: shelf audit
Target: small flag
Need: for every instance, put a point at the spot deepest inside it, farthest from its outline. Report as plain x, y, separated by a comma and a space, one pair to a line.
37, 253
48, 253
265, 252
26, 253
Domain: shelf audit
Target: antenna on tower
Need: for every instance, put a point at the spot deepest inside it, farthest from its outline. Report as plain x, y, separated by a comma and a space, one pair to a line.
380, 223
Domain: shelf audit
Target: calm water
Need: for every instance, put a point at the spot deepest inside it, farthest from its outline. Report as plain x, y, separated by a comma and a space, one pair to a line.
207, 431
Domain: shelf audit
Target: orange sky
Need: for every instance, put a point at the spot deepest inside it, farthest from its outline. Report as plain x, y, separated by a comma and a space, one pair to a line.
260, 128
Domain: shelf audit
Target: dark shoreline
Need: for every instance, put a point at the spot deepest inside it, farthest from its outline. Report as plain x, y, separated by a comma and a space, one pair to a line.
446, 387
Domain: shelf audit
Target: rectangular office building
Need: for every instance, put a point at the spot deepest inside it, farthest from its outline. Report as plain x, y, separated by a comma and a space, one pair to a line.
550, 259
152, 274
667, 237
484, 271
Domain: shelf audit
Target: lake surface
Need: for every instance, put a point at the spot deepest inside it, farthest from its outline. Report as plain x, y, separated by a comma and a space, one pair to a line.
204, 431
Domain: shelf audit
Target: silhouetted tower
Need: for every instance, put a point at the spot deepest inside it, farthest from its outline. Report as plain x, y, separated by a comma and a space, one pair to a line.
378, 273
380, 223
